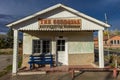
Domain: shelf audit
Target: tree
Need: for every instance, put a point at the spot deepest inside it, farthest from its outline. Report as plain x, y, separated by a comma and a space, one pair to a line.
9, 40
106, 33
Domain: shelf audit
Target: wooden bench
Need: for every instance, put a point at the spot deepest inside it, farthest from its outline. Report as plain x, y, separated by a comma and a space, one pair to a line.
40, 60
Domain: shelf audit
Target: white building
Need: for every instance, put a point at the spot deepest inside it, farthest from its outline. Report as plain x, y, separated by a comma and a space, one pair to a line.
59, 29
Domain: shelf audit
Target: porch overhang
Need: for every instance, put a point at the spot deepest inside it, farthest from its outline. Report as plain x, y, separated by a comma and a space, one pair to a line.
59, 29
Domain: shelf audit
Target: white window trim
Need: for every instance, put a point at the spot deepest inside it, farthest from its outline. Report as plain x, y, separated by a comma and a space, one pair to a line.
40, 45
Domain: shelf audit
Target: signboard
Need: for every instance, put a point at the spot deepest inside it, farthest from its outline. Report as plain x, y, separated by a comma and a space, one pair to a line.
59, 23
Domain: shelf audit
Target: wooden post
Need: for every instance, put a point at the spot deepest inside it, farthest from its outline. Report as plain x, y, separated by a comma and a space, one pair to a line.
15, 53
115, 72
72, 72
101, 51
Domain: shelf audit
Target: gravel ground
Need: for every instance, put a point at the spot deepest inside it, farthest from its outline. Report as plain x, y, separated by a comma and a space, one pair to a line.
6, 77
67, 76
5, 60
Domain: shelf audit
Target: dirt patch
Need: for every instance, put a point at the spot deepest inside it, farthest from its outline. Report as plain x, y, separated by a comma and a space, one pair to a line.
5, 60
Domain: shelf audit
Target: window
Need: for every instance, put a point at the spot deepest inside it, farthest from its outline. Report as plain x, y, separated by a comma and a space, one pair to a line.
118, 42
46, 46
111, 41
114, 41
41, 46
36, 46
60, 45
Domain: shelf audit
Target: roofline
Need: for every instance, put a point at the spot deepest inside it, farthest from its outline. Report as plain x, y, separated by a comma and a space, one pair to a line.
54, 7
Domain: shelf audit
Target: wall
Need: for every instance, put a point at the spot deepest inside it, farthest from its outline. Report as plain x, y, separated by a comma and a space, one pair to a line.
107, 42
81, 59
78, 43
114, 45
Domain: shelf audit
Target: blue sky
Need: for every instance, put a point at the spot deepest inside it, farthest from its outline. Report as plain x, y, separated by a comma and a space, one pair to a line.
11, 10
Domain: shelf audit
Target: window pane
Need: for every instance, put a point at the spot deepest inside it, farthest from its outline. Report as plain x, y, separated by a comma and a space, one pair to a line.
61, 45
58, 42
58, 48
63, 48
47, 50
35, 42
47, 42
46, 46
44, 42
39, 42
63, 42
36, 46
118, 42
44, 50
111, 42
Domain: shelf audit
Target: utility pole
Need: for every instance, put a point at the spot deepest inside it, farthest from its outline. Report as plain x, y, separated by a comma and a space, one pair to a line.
108, 36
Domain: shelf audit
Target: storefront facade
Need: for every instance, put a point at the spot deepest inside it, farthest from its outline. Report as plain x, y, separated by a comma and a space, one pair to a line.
61, 31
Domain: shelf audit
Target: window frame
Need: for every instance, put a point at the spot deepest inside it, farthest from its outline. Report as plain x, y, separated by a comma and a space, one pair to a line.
41, 46
61, 45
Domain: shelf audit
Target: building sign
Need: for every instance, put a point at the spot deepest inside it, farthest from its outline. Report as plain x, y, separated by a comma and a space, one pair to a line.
59, 23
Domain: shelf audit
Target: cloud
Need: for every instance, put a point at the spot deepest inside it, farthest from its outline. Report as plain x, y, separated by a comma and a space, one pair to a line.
6, 18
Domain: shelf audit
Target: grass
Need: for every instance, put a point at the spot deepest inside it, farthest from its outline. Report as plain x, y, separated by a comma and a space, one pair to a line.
20, 61
114, 49
6, 51
9, 51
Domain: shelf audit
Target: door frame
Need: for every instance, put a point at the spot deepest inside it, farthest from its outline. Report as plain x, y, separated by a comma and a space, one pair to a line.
66, 49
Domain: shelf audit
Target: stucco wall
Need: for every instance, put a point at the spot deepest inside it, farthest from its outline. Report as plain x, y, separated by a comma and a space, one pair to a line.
78, 42
80, 45
27, 43
81, 59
